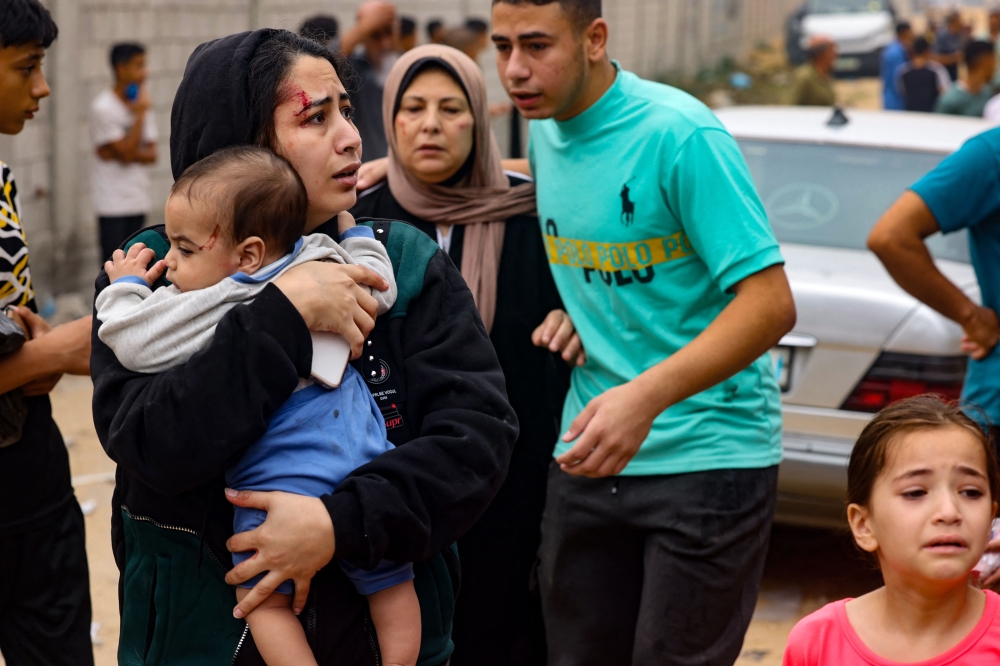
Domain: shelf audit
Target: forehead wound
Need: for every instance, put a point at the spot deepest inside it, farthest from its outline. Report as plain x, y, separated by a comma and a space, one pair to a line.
290, 91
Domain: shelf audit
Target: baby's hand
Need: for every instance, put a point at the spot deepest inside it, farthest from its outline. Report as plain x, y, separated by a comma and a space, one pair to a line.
134, 263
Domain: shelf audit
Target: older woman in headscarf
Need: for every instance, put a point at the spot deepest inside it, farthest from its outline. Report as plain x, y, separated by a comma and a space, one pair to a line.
446, 179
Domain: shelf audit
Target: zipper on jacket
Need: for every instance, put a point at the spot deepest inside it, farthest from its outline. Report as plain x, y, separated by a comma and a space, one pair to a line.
376, 654
239, 645
147, 519
311, 627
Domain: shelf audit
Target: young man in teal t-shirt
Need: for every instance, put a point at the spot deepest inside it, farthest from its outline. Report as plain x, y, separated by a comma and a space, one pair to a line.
660, 505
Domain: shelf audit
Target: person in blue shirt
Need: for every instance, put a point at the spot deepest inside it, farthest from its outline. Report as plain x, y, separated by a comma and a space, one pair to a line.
893, 56
963, 192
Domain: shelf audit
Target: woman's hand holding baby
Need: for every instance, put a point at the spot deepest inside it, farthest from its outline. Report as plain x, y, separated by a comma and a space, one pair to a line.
294, 542
329, 298
134, 263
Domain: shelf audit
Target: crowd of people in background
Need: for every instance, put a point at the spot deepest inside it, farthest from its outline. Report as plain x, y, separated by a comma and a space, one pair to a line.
948, 70
945, 70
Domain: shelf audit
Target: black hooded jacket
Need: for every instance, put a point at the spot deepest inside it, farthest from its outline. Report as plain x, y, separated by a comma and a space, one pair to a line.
433, 372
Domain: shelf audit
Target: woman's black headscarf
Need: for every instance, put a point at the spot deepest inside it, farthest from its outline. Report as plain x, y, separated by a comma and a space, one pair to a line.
210, 108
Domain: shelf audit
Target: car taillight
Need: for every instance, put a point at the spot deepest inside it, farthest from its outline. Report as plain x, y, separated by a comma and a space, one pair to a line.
896, 376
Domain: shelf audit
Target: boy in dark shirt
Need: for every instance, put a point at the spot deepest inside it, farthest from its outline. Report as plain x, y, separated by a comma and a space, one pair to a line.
921, 81
44, 587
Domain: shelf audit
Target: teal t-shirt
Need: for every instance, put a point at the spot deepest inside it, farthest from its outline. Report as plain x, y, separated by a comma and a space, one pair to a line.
959, 102
963, 192
650, 216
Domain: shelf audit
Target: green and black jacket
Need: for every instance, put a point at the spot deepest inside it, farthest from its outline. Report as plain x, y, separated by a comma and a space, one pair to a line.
434, 374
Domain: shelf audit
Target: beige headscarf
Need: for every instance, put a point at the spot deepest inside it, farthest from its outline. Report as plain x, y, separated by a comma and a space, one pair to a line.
488, 199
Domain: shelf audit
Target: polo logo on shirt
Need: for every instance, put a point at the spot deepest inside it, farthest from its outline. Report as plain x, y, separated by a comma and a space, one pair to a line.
628, 207
612, 257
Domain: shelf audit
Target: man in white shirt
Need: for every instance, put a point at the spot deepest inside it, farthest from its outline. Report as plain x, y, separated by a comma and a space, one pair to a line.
123, 133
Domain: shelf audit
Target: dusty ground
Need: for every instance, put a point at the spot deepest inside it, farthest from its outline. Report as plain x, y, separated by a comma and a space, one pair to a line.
805, 568
859, 93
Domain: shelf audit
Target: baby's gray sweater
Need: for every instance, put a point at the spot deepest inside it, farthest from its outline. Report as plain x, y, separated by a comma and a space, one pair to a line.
151, 331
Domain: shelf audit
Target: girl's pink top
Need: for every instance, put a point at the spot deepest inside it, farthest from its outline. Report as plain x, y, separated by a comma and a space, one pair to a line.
826, 638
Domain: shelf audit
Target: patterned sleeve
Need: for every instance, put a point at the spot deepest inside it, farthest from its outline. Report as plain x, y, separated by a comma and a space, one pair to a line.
15, 276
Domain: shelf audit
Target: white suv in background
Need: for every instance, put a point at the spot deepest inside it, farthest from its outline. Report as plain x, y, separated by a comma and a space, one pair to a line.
861, 28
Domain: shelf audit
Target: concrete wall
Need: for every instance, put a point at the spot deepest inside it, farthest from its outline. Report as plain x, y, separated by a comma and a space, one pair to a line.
52, 158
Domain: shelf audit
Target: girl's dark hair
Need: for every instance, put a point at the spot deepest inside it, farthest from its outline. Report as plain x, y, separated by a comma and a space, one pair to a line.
268, 70
26, 22
919, 413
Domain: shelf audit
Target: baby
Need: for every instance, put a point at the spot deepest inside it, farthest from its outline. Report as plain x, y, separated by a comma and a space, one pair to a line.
235, 222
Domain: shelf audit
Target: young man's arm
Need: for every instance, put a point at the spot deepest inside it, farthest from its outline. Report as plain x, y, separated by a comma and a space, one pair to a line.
128, 149
953, 58
898, 241
372, 16
131, 148
613, 426
145, 154
49, 354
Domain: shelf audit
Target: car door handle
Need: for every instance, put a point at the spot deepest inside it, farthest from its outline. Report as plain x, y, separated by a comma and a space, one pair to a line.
798, 340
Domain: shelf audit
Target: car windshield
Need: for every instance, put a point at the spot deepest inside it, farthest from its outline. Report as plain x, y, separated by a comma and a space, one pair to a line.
833, 195
844, 6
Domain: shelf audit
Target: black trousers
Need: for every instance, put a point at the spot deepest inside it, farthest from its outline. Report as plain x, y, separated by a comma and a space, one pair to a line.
640, 570
45, 593
498, 616
115, 230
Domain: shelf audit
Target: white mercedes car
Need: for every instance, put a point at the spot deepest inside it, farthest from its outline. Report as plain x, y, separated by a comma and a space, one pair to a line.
861, 342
